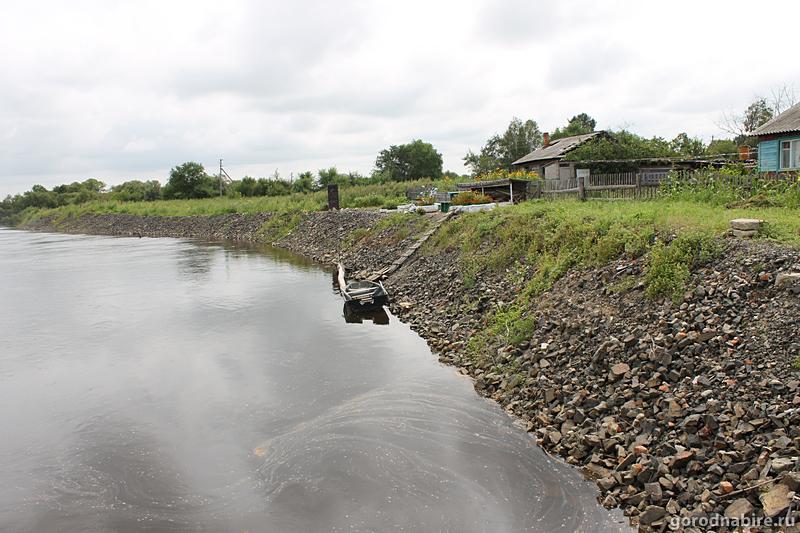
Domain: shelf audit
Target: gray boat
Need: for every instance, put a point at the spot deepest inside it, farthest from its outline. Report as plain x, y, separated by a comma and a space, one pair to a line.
362, 294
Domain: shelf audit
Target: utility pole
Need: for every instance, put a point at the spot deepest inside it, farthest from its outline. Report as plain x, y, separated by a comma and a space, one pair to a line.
220, 177
223, 177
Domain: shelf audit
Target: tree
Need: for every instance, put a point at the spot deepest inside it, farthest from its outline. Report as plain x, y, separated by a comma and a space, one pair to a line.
782, 98
137, 191
519, 139
721, 147
304, 183
687, 146
272, 187
412, 161
619, 147
757, 114
741, 126
190, 180
247, 186
577, 125
329, 176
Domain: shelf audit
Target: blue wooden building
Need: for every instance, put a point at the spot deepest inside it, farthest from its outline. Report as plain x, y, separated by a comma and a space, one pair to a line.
779, 142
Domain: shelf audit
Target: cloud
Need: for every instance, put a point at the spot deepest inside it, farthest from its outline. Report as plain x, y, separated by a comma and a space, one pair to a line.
115, 90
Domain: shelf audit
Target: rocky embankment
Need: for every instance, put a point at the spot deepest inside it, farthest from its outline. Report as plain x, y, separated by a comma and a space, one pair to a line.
680, 412
683, 412
230, 227
342, 236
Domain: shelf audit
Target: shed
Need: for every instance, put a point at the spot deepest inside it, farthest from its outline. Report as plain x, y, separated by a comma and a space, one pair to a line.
779, 142
504, 190
548, 161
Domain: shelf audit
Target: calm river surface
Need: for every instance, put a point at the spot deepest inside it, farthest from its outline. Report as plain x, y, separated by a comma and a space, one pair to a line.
165, 385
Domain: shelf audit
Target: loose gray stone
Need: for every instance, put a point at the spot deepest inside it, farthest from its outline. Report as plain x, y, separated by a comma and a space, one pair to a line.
744, 234
746, 224
739, 508
787, 279
776, 500
651, 514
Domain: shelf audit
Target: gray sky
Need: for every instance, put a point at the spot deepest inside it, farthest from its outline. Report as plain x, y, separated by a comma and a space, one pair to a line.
117, 90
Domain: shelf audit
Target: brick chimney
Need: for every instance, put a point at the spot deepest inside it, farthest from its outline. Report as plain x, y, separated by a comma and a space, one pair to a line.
545, 139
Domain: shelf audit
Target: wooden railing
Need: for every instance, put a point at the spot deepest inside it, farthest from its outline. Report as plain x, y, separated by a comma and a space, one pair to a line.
639, 185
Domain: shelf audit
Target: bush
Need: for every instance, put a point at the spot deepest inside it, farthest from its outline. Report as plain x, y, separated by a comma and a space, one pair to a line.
732, 186
502, 174
371, 200
136, 191
471, 198
670, 265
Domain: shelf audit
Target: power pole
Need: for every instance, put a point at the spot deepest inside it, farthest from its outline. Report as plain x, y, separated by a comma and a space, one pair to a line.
220, 177
223, 177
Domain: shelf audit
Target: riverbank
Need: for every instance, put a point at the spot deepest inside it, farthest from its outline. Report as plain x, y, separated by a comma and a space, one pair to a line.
659, 360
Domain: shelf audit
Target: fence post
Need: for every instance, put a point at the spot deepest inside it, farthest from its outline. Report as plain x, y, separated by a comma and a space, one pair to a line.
638, 185
333, 196
583, 176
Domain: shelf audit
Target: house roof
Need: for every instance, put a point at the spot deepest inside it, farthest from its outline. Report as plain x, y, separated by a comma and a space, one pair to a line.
557, 148
786, 122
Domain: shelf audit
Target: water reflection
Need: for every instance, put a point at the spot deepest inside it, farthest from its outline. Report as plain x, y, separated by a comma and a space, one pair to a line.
354, 315
163, 385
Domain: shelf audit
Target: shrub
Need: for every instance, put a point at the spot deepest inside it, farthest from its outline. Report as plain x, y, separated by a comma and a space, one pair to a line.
670, 265
471, 198
501, 174
372, 200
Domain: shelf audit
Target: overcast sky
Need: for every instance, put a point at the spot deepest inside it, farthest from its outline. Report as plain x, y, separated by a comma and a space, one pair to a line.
128, 89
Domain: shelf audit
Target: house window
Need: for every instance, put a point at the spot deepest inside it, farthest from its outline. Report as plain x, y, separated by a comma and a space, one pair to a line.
790, 154
796, 154
785, 154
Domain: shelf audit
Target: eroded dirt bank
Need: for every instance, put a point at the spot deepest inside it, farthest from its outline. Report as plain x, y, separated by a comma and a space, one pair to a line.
680, 411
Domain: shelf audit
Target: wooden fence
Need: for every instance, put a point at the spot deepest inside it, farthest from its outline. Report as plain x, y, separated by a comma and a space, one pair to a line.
638, 185
602, 186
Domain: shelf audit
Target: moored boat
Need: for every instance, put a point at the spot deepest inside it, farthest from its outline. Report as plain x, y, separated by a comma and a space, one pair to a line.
363, 294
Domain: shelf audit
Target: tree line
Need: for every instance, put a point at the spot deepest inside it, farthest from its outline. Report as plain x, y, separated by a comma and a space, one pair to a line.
404, 162
412, 161
523, 137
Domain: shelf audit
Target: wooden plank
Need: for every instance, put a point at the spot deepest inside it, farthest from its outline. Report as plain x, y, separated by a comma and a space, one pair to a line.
340, 277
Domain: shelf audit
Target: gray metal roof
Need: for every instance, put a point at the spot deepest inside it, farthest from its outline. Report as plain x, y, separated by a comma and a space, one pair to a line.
786, 122
557, 148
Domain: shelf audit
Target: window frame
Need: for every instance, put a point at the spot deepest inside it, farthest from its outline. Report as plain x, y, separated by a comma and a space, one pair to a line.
785, 148
794, 154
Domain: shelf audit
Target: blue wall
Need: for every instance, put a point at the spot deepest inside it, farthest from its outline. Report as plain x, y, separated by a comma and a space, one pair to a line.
768, 155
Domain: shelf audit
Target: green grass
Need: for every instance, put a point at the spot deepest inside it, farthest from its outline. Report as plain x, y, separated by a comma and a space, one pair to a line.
377, 195
279, 226
669, 266
720, 188
533, 244
796, 363
392, 228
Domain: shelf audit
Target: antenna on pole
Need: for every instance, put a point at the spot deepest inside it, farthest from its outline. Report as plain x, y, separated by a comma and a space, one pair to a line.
223, 178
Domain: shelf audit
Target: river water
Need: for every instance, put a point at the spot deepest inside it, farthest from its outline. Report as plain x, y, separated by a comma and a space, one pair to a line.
166, 385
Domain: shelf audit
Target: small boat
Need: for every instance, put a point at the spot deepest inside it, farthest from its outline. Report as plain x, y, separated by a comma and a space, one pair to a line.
362, 294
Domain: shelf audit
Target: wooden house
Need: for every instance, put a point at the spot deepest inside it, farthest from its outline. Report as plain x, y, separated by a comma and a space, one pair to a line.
548, 161
779, 142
